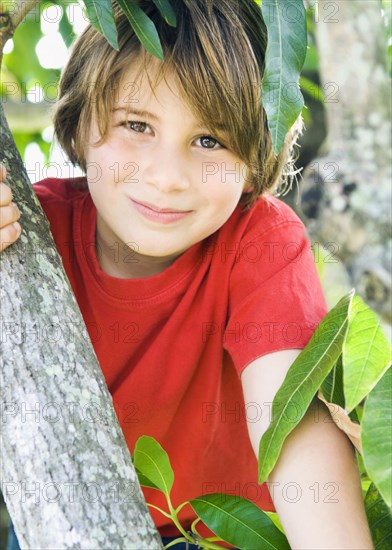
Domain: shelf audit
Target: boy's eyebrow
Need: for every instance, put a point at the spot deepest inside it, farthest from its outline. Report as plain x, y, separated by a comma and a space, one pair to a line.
141, 113
146, 114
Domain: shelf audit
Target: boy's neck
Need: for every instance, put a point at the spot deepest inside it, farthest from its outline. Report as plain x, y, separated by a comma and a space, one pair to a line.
124, 263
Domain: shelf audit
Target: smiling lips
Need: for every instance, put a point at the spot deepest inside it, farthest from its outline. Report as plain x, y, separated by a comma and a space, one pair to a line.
160, 215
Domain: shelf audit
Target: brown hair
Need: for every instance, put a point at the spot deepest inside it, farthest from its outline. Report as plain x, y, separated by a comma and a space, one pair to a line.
217, 54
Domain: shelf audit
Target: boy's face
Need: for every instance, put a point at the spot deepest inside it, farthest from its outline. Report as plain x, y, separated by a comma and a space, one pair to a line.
159, 183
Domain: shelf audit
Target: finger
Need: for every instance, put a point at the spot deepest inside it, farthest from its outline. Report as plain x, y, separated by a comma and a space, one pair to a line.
3, 172
5, 194
9, 214
8, 235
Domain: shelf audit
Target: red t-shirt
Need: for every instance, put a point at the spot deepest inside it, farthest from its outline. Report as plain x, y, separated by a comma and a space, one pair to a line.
172, 346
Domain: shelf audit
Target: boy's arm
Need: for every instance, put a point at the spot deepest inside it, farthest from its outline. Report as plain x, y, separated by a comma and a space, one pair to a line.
315, 485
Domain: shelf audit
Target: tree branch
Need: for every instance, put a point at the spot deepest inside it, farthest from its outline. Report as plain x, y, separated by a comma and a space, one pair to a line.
11, 18
21, 9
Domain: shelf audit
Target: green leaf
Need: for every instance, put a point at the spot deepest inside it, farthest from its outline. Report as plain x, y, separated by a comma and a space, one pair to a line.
275, 518
144, 28
302, 381
354, 416
153, 462
362, 469
144, 481
307, 117
100, 14
66, 30
311, 63
379, 518
332, 387
366, 353
312, 89
376, 436
286, 51
239, 522
167, 11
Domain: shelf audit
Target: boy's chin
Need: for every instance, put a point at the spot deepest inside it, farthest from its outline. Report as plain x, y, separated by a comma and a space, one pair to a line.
159, 253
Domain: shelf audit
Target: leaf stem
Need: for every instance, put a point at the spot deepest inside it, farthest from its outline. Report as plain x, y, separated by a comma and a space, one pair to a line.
176, 521
193, 526
176, 541
181, 506
159, 510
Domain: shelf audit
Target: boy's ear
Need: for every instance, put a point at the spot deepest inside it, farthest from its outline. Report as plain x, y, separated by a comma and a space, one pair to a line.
248, 189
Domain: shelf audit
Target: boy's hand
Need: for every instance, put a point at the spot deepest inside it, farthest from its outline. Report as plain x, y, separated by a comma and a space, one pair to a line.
10, 229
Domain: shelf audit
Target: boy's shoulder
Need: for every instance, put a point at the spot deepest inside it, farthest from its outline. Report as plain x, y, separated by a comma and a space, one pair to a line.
61, 189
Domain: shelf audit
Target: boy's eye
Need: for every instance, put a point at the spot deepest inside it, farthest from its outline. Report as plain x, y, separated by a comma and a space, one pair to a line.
137, 126
209, 142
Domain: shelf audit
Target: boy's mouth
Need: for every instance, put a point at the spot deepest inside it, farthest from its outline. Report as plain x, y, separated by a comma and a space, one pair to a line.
157, 214
158, 209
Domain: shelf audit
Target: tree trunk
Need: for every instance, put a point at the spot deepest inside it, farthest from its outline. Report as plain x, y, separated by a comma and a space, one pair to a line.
347, 190
66, 472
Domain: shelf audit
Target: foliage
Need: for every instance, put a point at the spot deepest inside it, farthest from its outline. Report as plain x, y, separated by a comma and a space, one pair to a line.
100, 14
233, 519
284, 59
347, 361
348, 357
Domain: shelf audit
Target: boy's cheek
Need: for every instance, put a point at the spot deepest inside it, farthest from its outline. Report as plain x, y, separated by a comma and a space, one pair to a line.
222, 192
226, 172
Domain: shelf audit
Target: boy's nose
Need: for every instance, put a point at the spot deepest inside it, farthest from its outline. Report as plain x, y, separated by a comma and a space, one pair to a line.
166, 171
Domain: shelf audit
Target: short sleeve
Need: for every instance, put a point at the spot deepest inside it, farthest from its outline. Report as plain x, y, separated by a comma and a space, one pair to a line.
276, 300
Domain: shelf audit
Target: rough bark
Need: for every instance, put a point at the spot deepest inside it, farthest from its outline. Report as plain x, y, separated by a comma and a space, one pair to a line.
66, 472
347, 189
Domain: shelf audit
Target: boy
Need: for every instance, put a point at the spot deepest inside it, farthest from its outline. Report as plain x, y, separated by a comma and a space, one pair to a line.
197, 286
